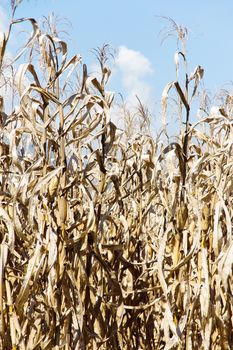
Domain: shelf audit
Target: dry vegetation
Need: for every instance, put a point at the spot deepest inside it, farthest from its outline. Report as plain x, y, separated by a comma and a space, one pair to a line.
110, 242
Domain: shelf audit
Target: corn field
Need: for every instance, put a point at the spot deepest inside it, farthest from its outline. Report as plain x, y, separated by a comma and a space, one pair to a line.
109, 242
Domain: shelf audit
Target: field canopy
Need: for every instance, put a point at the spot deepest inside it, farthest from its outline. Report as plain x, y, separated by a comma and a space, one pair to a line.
109, 239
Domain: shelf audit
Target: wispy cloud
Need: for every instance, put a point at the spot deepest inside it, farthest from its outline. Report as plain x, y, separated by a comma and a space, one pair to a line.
134, 68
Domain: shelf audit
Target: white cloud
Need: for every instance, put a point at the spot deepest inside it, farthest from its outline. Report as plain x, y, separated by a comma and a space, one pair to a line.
3, 20
134, 68
133, 62
6, 76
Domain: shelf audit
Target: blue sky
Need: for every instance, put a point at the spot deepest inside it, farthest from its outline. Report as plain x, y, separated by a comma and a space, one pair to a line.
133, 27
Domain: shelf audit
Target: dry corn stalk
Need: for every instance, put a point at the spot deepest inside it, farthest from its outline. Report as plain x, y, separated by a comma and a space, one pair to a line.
98, 248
